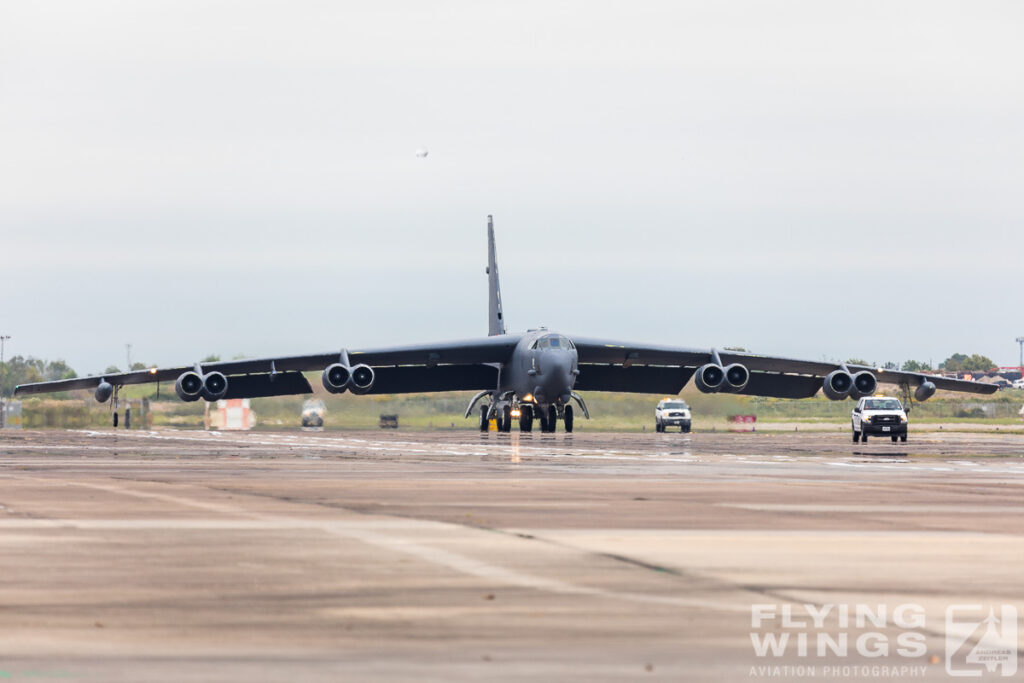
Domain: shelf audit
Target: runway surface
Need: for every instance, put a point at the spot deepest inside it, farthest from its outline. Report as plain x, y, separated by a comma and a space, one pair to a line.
456, 555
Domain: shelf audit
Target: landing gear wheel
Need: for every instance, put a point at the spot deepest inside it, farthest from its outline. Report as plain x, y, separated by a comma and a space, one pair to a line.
903, 438
525, 418
505, 424
552, 419
483, 418
115, 419
856, 437
567, 419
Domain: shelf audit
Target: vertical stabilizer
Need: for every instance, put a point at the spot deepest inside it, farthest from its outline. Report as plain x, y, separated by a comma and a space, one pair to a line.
495, 319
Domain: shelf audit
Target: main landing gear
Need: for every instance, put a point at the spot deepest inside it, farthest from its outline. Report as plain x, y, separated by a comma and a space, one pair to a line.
548, 418
526, 418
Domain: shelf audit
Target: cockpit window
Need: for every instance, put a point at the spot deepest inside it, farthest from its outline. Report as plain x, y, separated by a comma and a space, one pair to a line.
553, 341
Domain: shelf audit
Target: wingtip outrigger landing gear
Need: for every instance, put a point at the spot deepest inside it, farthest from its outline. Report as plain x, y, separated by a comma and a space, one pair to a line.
114, 404
907, 396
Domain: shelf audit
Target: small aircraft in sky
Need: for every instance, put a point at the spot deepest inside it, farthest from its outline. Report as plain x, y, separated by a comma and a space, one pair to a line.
520, 378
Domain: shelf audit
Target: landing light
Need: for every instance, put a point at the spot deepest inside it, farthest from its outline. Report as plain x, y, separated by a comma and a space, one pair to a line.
528, 398
152, 371
515, 413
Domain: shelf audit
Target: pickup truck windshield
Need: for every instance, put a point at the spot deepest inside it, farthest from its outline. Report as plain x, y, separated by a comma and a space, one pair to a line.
678, 405
882, 404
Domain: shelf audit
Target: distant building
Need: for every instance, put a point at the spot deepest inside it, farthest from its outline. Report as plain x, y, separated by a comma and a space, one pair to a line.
233, 414
10, 414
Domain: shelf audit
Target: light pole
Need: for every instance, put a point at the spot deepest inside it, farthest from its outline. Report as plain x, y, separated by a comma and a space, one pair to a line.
1020, 340
3, 340
3, 369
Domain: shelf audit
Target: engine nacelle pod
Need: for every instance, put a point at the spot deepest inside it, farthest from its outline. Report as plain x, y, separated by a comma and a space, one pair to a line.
925, 391
864, 384
710, 378
103, 391
215, 386
336, 378
736, 378
362, 379
837, 385
189, 386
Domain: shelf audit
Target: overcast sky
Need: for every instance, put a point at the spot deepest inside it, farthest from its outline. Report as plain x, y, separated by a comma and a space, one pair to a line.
800, 178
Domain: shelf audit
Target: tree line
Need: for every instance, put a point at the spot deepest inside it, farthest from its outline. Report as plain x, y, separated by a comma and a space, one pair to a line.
21, 370
958, 362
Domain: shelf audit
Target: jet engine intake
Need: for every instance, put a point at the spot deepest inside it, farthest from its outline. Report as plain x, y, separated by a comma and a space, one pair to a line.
103, 391
736, 378
336, 378
362, 379
215, 386
864, 384
925, 391
837, 385
189, 386
710, 378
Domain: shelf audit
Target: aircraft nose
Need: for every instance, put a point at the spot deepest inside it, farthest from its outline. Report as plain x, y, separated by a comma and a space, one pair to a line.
560, 364
555, 379
558, 373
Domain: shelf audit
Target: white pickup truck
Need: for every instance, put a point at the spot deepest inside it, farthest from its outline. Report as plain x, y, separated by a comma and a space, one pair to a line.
672, 412
879, 416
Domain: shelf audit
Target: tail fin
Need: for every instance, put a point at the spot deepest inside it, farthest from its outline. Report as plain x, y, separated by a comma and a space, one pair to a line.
496, 319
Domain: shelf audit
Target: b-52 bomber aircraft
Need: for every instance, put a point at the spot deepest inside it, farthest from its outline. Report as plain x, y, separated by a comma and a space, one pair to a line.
520, 377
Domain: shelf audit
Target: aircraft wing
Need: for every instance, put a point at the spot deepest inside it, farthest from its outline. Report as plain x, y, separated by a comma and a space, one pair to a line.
443, 366
646, 368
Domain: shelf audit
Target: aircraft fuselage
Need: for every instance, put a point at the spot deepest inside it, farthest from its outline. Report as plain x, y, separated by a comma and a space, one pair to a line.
542, 369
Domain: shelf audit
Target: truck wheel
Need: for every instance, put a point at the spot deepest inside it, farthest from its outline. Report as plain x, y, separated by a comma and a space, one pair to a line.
657, 426
903, 438
894, 438
863, 437
685, 429
856, 437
